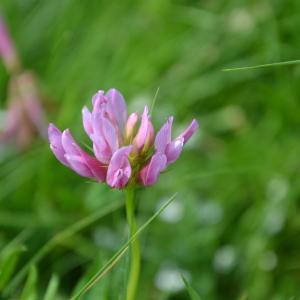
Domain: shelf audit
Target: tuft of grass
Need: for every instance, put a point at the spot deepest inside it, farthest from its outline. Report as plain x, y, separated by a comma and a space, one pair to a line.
57, 239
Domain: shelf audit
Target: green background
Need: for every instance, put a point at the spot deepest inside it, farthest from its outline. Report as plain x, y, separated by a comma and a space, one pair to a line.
234, 227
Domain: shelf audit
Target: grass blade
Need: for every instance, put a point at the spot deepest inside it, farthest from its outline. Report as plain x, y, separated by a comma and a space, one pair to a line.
276, 64
192, 292
8, 262
154, 101
29, 291
113, 261
52, 288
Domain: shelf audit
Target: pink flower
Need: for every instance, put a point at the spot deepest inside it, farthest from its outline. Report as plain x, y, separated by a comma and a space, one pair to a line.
123, 154
7, 49
24, 117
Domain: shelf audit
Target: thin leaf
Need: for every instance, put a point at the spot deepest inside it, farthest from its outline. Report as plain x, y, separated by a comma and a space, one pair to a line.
277, 64
61, 236
52, 288
154, 101
192, 292
16, 241
113, 261
8, 264
29, 291
101, 290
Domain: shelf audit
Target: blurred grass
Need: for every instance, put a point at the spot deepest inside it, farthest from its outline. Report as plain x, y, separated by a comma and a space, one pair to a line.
234, 228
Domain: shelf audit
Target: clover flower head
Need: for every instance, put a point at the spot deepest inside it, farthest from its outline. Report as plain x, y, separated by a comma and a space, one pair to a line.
123, 154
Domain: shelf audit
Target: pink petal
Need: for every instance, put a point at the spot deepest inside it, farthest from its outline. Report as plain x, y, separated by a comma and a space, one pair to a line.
101, 149
54, 136
31, 98
78, 164
145, 135
81, 162
119, 169
98, 169
69, 144
87, 121
105, 136
7, 48
97, 96
173, 150
149, 174
87, 166
130, 124
189, 131
99, 103
110, 134
117, 108
13, 120
163, 137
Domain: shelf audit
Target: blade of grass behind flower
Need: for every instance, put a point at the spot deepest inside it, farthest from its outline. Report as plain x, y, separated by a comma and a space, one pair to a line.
192, 292
277, 64
225, 171
64, 234
154, 101
113, 261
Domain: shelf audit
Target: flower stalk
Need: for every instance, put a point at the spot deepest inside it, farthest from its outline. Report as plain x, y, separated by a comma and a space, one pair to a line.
135, 259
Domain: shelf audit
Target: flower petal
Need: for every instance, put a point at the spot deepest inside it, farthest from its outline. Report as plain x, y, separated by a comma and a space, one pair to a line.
101, 149
163, 137
78, 165
81, 162
119, 169
7, 49
55, 136
173, 150
116, 108
69, 144
99, 102
149, 174
130, 124
189, 131
87, 166
110, 134
87, 121
145, 135
98, 169
105, 136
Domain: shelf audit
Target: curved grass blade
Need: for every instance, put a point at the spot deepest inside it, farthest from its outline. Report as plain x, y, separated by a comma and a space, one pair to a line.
276, 64
52, 288
23, 235
8, 263
61, 236
29, 291
192, 292
113, 261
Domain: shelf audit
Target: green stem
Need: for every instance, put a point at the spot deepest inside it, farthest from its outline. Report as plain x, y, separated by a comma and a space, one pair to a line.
135, 259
